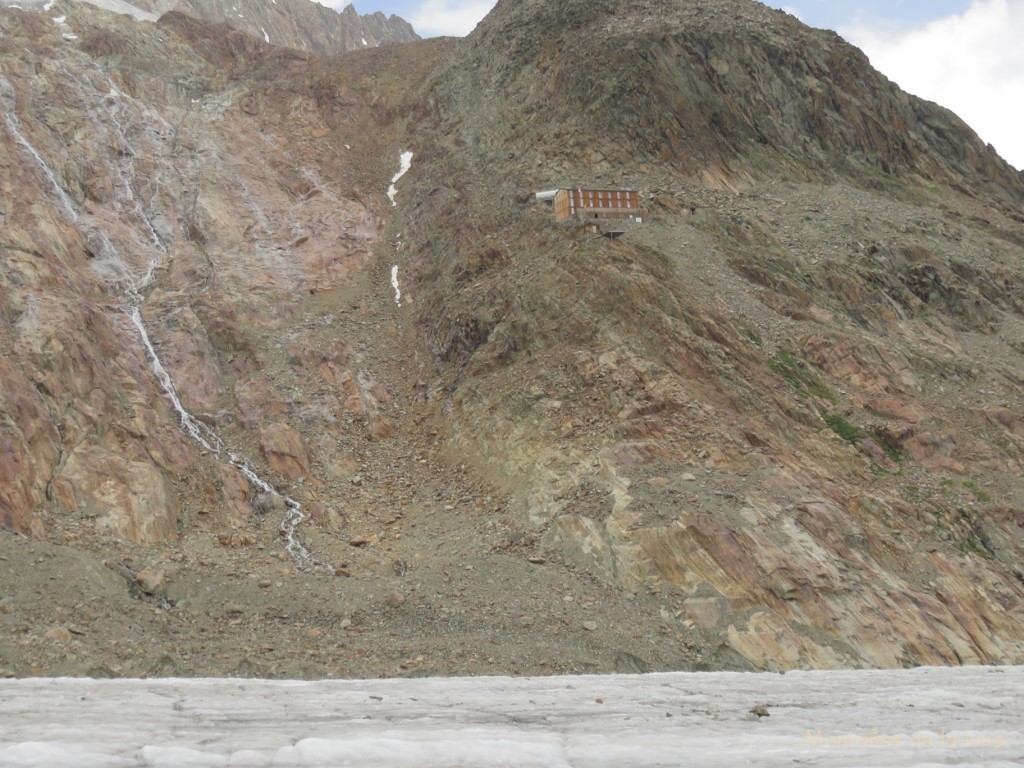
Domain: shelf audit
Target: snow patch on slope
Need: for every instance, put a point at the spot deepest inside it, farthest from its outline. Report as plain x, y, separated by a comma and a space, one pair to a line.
394, 284
119, 6
405, 164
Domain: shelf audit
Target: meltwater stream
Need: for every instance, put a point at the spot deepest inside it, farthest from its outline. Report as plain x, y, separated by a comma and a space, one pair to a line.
120, 277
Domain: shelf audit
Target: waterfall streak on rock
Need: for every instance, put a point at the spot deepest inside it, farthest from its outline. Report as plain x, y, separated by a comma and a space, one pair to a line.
111, 265
9, 102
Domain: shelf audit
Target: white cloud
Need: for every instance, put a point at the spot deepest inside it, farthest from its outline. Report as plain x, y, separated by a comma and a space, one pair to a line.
972, 63
449, 17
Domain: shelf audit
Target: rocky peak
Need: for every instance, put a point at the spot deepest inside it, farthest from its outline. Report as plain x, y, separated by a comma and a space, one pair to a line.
303, 24
728, 84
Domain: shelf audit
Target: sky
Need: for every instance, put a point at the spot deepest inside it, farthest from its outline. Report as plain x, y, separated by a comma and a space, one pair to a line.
963, 54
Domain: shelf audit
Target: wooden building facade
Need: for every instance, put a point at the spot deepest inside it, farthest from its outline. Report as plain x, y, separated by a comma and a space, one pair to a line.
596, 204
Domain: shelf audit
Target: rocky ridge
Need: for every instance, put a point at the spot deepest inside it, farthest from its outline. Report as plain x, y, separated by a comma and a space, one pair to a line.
301, 24
774, 426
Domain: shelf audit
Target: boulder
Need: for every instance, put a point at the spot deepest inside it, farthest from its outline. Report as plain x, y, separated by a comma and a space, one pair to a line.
284, 450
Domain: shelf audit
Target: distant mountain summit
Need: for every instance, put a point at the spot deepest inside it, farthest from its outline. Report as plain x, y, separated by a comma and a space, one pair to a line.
302, 24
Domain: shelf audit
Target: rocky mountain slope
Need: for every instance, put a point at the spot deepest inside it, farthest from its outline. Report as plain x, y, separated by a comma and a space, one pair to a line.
798, 405
257, 419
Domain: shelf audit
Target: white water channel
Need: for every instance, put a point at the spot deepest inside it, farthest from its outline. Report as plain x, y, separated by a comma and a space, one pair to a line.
8, 99
112, 266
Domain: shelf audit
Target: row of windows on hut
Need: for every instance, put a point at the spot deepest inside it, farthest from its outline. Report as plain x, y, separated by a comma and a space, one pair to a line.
593, 203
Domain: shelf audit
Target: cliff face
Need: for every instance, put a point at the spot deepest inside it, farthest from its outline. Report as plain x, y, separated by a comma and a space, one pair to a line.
117, 178
775, 425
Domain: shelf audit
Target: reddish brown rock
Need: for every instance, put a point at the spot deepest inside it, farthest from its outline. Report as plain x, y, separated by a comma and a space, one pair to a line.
255, 402
130, 499
381, 428
934, 450
874, 371
1001, 416
896, 409
186, 352
29, 448
236, 491
152, 581
284, 450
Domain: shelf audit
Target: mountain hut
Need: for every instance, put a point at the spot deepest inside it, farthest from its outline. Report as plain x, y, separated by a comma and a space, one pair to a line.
586, 204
